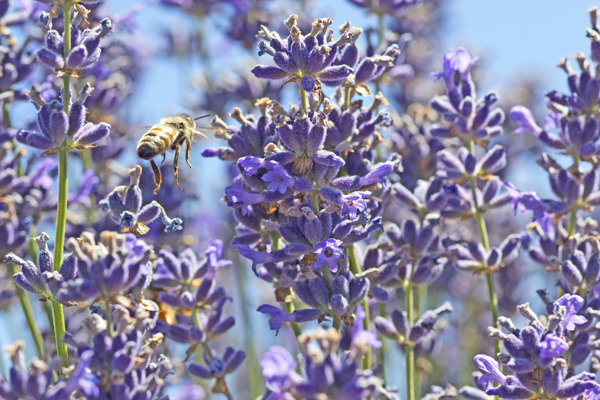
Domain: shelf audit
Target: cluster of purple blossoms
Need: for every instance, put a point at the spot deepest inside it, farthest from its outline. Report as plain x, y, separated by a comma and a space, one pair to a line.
317, 59
37, 381
57, 128
541, 355
124, 203
194, 309
326, 373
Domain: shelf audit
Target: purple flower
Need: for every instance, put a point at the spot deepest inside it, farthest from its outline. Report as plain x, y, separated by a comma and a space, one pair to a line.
523, 116
355, 203
552, 346
125, 206
173, 272
491, 371
114, 265
42, 280
385, 7
279, 316
250, 164
128, 356
85, 48
299, 57
572, 303
328, 252
305, 141
542, 210
277, 178
58, 128
360, 336
456, 61
218, 367
277, 367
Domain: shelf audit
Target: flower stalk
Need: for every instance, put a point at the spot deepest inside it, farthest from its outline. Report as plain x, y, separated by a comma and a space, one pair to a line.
410, 350
483, 234
303, 101
355, 270
61, 209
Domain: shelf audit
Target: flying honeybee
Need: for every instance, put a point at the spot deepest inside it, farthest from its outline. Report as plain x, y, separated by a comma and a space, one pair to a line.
170, 133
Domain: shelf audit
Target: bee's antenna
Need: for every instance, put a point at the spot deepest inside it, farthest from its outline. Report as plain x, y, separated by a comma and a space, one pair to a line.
204, 116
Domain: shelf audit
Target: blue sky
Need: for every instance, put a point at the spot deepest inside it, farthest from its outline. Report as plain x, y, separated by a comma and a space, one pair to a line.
520, 36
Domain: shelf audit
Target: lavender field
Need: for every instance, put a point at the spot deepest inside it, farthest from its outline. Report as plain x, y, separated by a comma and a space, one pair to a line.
349, 200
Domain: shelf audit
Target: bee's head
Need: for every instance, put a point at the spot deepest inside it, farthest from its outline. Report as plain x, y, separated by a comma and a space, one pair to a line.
184, 120
188, 120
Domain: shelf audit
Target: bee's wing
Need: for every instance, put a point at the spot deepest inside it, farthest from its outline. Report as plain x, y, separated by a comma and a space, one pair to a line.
198, 130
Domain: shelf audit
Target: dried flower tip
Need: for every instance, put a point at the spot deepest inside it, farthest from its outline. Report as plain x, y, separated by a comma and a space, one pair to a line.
36, 98
593, 11
134, 175
345, 27
83, 12
15, 351
263, 103
565, 66
42, 241
239, 116
291, 22
356, 32
496, 333
527, 312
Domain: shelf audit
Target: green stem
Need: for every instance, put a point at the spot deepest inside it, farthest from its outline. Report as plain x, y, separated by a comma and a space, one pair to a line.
314, 202
59, 332
352, 260
384, 344
355, 269
380, 28
410, 351
417, 305
572, 222
67, 50
303, 101
61, 210
326, 276
254, 376
109, 327
422, 296
366, 362
347, 97
483, 234
87, 164
289, 307
6, 114
380, 39
493, 307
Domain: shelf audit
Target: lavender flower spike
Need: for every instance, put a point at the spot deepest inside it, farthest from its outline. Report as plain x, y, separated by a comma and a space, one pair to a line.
125, 205
58, 129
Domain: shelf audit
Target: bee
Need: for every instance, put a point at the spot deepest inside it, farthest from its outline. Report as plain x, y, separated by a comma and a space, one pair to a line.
170, 133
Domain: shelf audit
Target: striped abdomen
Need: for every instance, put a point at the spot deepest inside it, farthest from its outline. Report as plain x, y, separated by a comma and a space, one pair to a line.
156, 141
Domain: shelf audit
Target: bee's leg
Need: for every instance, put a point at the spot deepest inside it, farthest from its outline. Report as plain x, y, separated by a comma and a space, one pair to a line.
157, 175
188, 147
164, 157
175, 168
